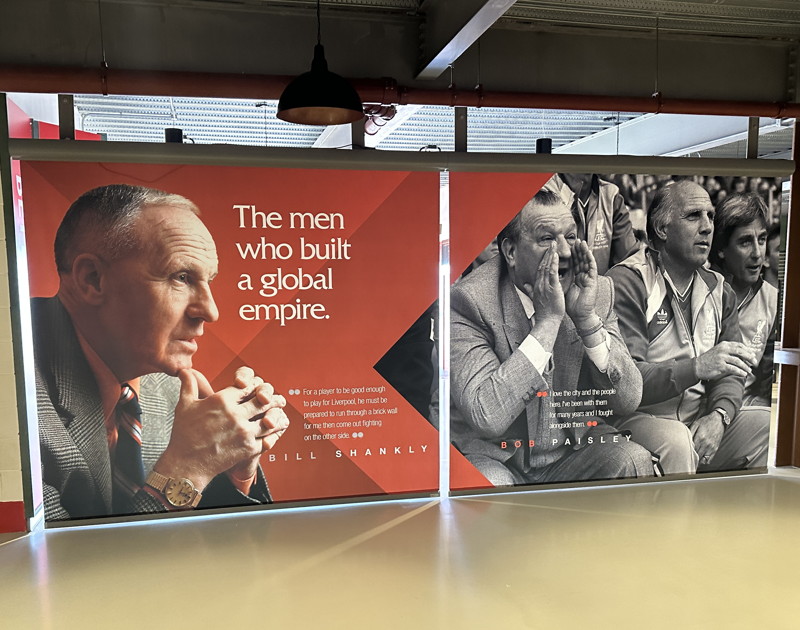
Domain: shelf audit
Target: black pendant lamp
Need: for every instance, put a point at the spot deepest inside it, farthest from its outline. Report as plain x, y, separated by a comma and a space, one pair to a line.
320, 97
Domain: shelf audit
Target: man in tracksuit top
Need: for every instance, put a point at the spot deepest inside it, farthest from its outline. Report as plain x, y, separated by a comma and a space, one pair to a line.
739, 254
601, 216
681, 326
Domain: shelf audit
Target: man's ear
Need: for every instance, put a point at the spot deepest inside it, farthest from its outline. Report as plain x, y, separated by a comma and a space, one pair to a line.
509, 251
660, 231
88, 275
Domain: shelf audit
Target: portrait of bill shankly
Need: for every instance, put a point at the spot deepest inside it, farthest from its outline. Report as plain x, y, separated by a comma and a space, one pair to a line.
126, 424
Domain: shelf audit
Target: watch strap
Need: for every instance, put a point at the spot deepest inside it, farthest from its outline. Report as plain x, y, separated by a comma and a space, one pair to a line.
157, 481
726, 419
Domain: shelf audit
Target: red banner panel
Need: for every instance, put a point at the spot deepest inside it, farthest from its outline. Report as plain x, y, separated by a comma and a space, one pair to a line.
321, 282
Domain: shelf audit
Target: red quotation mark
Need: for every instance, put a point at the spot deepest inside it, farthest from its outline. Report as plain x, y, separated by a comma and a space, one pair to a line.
541, 394
591, 423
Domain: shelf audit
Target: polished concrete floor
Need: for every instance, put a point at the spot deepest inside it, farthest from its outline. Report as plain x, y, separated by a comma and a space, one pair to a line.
712, 553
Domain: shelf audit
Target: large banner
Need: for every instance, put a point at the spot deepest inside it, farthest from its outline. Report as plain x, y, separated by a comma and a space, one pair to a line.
211, 337
610, 326
321, 283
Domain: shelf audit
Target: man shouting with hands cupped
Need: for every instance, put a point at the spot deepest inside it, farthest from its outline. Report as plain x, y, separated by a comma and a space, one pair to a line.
530, 326
119, 433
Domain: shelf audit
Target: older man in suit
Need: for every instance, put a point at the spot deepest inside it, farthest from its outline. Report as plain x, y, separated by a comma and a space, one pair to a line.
529, 328
119, 434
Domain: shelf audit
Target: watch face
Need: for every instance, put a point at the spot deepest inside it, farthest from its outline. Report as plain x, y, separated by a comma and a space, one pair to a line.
179, 492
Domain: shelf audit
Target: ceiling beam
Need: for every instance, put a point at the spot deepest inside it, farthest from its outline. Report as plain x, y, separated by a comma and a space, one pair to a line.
668, 135
450, 28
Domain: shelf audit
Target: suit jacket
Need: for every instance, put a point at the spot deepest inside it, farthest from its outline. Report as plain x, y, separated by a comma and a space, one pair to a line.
494, 385
76, 465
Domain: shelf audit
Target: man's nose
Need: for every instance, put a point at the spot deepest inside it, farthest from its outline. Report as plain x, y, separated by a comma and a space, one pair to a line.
204, 307
706, 224
563, 248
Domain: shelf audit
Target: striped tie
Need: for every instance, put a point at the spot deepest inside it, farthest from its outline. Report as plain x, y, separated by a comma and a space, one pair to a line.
128, 467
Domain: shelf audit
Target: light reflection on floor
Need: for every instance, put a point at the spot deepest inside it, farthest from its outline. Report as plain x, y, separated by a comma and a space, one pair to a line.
713, 553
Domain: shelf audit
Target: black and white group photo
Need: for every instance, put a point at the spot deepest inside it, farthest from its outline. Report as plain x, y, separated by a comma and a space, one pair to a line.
620, 326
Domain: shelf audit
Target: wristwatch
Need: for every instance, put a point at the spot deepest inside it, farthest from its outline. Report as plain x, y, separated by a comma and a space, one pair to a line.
726, 419
178, 492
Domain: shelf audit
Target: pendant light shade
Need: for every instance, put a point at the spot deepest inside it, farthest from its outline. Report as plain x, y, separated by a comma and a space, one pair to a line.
320, 97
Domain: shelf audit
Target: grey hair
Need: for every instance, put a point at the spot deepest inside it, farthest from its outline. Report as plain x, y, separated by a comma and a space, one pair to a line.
102, 221
663, 208
513, 230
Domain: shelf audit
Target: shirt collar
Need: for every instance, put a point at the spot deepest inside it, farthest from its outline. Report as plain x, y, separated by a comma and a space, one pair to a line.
107, 383
527, 304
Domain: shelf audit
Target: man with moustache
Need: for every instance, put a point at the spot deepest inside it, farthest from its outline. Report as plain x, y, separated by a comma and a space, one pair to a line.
119, 433
680, 322
538, 319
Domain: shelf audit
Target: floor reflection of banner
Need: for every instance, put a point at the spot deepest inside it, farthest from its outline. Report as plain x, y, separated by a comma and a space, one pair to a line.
321, 273
619, 326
